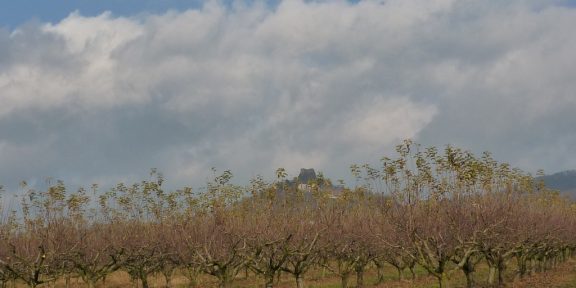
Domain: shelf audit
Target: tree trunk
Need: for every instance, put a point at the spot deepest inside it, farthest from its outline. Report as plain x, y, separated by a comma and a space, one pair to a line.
501, 268
469, 279
144, 280
192, 275
269, 281
360, 278
225, 281
540, 265
299, 281
344, 280
412, 272
469, 270
522, 267
443, 280
168, 278
400, 273
380, 270
492, 275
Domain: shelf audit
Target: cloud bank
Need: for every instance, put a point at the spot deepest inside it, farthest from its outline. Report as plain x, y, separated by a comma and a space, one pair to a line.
251, 88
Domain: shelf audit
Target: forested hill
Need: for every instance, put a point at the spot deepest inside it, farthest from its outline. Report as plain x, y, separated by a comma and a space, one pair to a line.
564, 181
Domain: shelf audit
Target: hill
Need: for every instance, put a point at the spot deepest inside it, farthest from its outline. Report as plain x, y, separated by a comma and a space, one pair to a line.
564, 181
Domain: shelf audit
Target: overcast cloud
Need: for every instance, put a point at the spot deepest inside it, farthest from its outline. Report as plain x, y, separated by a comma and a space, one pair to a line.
303, 84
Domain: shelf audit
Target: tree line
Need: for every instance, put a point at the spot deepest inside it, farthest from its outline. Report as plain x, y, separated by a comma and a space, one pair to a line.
446, 211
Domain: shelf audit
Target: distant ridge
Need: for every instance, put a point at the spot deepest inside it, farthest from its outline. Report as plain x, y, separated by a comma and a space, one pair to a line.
564, 181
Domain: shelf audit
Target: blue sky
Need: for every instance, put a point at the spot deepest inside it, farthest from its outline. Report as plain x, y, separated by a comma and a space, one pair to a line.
14, 13
91, 98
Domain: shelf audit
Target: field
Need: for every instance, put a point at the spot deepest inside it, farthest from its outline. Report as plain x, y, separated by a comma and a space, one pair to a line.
564, 276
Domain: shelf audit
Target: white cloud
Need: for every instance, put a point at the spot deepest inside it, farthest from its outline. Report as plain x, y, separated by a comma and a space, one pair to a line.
384, 122
95, 36
312, 84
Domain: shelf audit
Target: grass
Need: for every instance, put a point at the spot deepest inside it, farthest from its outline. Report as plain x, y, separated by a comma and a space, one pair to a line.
564, 276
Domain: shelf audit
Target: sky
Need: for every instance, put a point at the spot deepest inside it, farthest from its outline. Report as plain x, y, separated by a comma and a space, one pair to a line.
102, 91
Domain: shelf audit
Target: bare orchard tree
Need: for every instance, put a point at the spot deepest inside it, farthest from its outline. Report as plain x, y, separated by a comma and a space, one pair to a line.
304, 246
269, 239
8, 226
349, 243
95, 256
33, 252
221, 252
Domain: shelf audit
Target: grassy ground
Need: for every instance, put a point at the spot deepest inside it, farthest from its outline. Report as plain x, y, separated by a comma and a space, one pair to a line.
564, 276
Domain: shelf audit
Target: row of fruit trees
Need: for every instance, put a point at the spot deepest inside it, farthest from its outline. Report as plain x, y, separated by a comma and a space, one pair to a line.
445, 211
